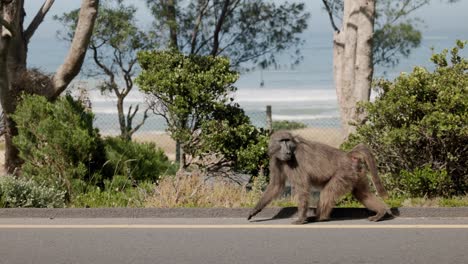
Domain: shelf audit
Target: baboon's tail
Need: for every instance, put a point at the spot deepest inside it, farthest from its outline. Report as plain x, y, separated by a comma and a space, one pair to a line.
363, 151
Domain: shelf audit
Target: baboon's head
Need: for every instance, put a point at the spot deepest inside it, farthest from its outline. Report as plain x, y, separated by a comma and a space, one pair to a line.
282, 146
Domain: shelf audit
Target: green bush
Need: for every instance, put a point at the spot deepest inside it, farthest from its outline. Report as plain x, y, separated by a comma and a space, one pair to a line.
230, 134
418, 128
57, 141
287, 125
136, 161
118, 192
27, 193
426, 182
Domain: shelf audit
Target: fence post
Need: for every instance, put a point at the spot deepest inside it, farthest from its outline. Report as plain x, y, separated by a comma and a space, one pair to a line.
177, 152
269, 120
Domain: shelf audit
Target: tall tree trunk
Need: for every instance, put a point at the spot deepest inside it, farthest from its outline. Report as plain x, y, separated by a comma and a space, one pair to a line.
352, 60
172, 23
13, 62
120, 112
13, 52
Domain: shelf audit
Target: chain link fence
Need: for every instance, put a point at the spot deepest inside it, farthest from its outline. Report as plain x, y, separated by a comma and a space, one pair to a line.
325, 130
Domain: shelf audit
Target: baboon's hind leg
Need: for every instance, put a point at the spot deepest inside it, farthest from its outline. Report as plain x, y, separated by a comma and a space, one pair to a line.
328, 198
363, 194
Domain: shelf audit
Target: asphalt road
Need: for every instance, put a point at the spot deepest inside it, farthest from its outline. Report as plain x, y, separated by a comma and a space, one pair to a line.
231, 240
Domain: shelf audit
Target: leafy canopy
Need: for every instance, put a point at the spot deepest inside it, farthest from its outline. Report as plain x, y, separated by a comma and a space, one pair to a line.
185, 90
253, 31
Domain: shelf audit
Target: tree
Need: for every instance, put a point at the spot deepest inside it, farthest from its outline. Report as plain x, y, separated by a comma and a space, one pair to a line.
114, 44
249, 32
185, 91
14, 41
246, 31
352, 58
358, 46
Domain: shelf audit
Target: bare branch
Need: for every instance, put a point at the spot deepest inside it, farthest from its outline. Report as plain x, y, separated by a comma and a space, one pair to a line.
145, 116
404, 12
37, 20
197, 26
218, 28
330, 14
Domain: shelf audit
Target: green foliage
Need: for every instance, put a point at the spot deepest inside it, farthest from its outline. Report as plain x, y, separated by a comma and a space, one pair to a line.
253, 31
136, 161
27, 193
57, 141
193, 94
287, 125
394, 39
231, 134
454, 202
425, 181
118, 192
418, 127
185, 89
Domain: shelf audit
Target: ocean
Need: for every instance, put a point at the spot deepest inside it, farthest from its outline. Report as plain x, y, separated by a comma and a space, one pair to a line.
303, 93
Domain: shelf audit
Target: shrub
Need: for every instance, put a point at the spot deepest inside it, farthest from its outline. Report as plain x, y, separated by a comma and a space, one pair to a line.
136, 161
287, 125
426, 182
57, 141
27, 193
185, 90
418, 127
230, 134
118, 192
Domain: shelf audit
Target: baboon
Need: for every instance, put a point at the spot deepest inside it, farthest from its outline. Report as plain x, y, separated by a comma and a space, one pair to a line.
335, 172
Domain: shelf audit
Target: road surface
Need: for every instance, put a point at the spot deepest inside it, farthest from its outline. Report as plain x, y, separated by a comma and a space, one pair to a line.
231, 240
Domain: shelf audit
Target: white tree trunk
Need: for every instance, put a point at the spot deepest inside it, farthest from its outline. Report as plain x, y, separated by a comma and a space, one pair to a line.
352, 59
77, 52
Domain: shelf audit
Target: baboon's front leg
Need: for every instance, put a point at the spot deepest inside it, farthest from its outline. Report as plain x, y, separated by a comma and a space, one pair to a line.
272, 191
302, 207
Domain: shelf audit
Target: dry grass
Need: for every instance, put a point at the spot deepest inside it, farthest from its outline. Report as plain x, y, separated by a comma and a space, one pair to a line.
193, 191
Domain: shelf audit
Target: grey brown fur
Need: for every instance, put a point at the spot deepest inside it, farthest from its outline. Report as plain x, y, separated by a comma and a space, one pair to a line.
335, 172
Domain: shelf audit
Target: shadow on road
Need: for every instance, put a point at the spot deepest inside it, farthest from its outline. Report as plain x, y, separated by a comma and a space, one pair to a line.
338, 214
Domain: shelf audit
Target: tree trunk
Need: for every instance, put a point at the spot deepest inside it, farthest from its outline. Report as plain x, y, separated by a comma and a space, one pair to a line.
352, 60
124, 131
172, 23
77, 52
13, 53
